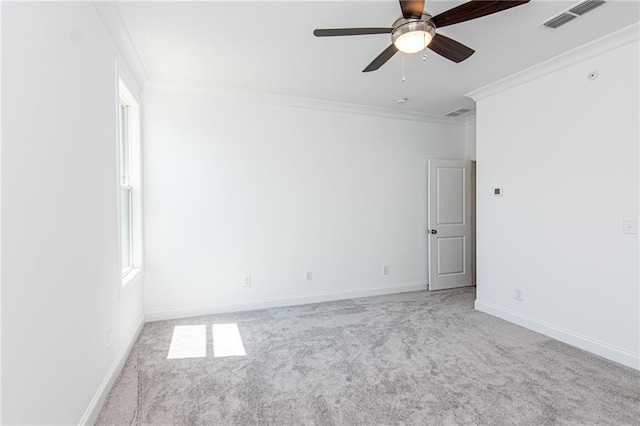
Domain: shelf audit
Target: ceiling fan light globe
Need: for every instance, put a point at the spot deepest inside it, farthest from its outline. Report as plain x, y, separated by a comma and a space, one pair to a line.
412, 36
413, 42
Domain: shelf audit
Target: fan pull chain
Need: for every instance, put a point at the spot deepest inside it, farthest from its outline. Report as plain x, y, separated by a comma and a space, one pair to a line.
403, 77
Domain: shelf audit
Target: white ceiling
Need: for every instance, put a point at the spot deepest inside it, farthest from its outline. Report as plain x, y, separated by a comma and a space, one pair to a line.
268, 47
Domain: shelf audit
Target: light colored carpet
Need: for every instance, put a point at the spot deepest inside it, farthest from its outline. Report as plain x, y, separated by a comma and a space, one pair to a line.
413, 358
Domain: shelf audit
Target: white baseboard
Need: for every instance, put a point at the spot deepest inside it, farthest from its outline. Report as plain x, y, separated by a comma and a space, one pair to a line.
274, 302
91, 414
597, 347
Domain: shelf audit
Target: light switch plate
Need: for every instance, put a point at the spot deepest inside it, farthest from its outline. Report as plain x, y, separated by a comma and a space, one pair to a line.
630, 226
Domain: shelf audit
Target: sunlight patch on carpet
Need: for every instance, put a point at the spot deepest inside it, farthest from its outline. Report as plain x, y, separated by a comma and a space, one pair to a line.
188, 341
227, 340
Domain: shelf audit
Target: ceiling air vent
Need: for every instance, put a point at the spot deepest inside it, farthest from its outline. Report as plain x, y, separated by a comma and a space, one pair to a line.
559, 20
586, 6
570, 14
457, 112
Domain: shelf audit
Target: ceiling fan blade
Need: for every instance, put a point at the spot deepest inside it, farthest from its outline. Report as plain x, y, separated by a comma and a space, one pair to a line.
381, 59
474, 9
336, 32
412, 8
450, 49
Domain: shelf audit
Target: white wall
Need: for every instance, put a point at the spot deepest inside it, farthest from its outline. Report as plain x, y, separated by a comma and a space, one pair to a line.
236, 187
565, 150
0, 215
470, 140
60, 266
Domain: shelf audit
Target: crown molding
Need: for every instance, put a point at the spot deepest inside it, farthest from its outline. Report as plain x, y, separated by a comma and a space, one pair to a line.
596, 47
113, 22
307, 103
470, 120
115, 26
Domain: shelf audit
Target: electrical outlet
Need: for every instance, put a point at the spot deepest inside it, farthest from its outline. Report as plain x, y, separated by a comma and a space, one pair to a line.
630, 226
385, 270
518, 294
309, 275
247, 281
109, 338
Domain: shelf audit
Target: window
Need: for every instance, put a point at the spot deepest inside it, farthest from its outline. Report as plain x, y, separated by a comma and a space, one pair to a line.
126, 217
130, 218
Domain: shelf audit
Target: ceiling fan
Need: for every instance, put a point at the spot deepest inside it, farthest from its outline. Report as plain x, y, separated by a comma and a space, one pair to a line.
415, 29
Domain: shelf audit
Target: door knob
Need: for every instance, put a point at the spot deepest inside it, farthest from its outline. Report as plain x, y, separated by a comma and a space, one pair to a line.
432, 231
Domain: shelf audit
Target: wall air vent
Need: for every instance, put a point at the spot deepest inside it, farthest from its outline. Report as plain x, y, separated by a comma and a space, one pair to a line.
457, 112
574, 12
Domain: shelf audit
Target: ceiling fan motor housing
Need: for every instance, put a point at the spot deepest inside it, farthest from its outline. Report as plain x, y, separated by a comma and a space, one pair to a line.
412, 35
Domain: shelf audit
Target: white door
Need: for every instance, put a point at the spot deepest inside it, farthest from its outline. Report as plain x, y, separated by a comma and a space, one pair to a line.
449, 224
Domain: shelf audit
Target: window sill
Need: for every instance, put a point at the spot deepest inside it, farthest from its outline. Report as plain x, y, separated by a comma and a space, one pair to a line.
130, 280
